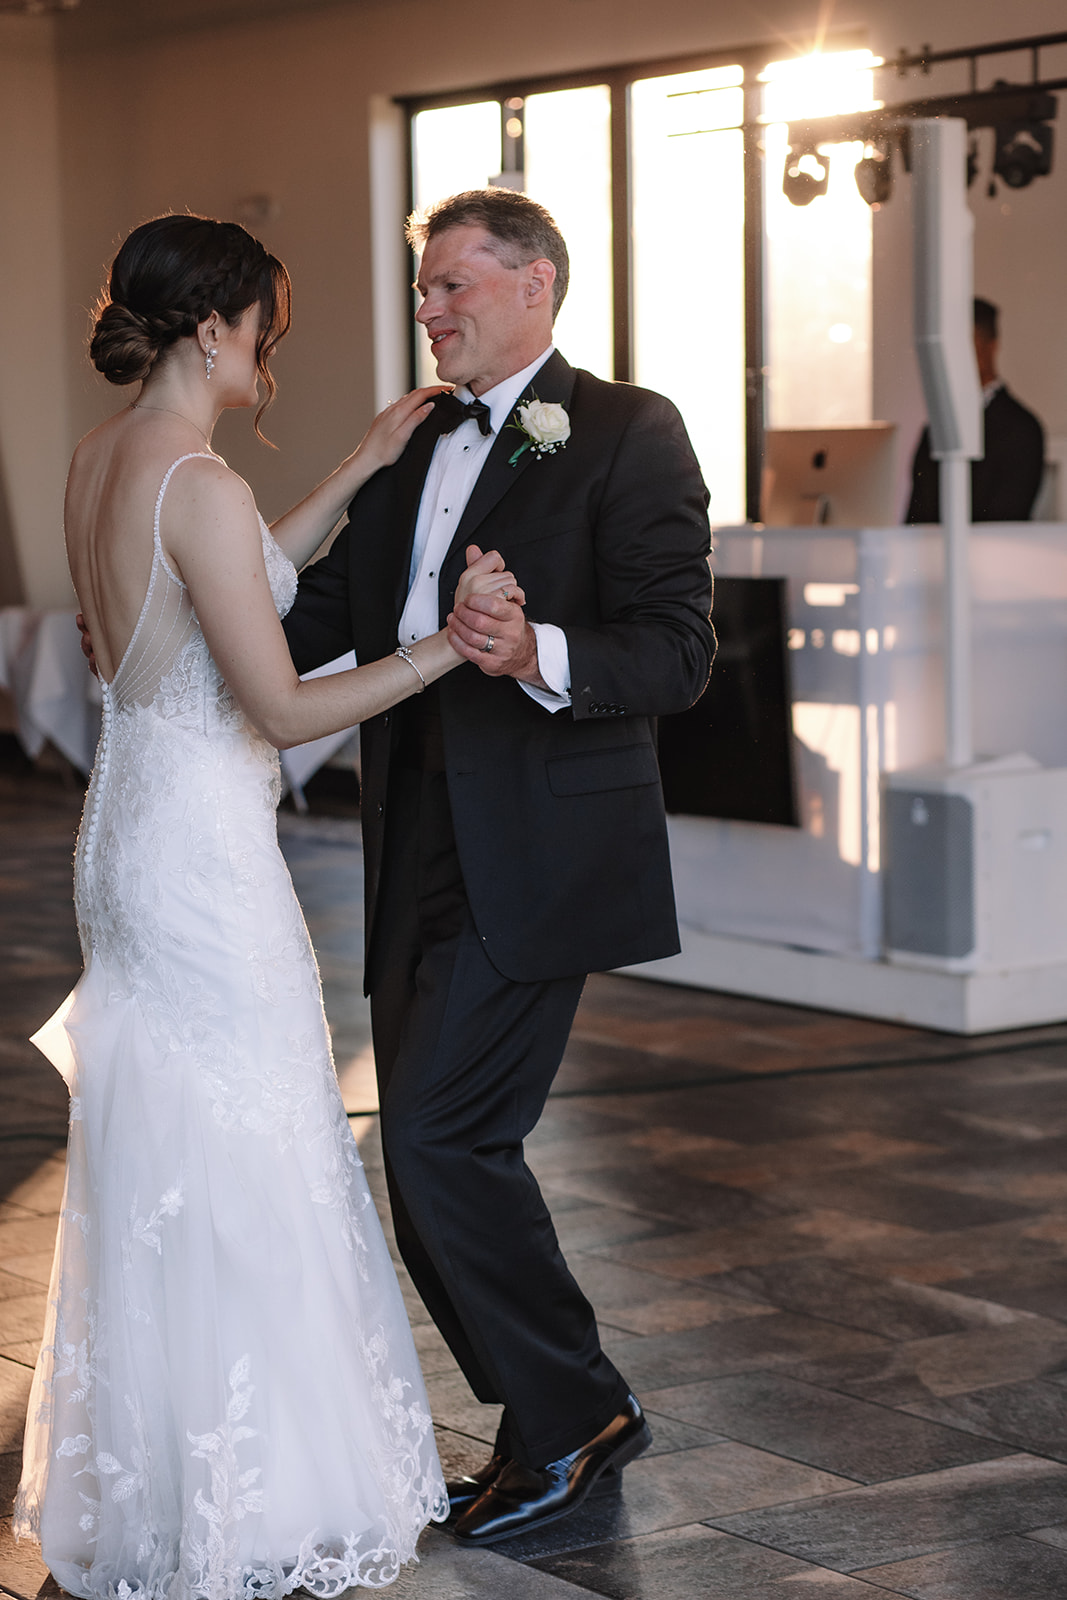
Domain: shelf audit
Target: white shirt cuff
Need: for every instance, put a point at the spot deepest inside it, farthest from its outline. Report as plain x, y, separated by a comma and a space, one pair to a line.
554, 665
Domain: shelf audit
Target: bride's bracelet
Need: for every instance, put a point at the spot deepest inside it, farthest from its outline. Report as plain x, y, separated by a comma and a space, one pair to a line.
405, 655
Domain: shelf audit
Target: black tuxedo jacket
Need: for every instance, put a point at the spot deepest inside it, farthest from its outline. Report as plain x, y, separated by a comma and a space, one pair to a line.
1004, 483
558, 817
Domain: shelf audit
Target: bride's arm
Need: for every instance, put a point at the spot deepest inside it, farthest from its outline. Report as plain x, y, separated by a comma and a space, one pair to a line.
302, 530
211, 533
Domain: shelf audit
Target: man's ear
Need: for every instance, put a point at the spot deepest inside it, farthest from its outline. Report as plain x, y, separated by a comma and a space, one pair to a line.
540, 276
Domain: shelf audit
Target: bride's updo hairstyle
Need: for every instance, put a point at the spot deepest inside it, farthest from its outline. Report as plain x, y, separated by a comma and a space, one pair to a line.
168, 277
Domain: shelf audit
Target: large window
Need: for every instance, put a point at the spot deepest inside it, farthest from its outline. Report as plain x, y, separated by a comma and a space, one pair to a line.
691, 273
688, 277
818, 256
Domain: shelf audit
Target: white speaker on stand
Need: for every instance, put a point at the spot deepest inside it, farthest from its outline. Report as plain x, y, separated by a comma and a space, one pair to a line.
975, 875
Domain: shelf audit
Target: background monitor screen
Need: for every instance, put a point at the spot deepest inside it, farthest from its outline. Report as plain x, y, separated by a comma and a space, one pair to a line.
832, 475
731, 754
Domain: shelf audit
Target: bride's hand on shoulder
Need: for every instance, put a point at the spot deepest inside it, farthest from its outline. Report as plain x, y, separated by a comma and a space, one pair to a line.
386, 439
302, 530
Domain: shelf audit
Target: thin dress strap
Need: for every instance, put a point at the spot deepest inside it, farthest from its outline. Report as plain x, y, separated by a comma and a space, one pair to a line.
193, 455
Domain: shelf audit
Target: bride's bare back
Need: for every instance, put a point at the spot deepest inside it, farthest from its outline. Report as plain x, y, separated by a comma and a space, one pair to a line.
112, 488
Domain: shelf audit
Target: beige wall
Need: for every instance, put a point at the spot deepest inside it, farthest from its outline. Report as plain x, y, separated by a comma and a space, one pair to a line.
294, 107
34, 421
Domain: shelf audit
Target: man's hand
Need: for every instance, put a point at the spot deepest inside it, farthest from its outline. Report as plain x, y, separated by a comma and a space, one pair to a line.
87, 644
491, 630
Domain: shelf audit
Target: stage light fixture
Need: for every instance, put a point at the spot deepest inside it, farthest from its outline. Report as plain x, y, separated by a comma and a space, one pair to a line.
807, 175
1023, 152
874, 174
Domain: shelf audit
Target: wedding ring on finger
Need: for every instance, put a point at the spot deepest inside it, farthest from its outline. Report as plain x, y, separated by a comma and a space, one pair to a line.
489, 643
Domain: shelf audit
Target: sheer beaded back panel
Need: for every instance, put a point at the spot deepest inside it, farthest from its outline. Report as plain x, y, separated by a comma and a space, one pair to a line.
164, 628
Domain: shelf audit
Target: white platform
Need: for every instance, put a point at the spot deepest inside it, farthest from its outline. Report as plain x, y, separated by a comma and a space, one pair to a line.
796, 914
966, 1003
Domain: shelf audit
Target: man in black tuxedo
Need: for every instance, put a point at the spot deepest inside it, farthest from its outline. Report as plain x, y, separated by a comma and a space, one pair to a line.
1006, 480
513, 821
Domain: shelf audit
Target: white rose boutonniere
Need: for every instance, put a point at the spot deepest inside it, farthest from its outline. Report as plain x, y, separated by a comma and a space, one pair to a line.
545, 427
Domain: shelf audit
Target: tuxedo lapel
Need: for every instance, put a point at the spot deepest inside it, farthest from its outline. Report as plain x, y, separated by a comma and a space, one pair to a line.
411, 476
553, 384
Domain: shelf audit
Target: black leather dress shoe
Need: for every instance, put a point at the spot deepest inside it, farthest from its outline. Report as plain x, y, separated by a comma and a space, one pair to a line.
521, 1497
464, 1491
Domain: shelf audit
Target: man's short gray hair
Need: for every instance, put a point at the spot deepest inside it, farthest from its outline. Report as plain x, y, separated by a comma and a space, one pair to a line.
521, 229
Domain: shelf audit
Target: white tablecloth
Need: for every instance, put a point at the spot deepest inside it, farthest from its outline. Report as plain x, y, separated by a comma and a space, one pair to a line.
56, 696
299, 763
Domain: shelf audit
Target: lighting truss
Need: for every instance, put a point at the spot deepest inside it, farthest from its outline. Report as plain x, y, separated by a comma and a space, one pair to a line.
1020, 114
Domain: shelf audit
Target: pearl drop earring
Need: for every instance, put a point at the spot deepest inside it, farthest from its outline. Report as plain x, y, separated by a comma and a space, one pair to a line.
209, 362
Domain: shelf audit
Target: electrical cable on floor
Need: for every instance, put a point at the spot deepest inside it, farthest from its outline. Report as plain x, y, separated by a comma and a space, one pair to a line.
603, 1091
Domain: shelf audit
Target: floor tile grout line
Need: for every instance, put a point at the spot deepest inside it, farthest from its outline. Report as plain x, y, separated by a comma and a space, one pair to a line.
759, 1544
816, 1566
1004, 1445
833, 1494
853, 1572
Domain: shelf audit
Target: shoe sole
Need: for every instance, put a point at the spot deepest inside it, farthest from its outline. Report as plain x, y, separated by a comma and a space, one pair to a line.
615, 1463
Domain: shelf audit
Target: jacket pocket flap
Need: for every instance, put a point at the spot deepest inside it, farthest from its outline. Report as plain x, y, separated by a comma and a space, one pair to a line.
622, 767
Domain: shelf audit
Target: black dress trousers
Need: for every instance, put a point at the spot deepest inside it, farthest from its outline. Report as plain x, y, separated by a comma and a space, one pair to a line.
465, 1061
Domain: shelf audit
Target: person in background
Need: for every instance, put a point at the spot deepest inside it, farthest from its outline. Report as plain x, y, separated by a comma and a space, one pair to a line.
1006, 479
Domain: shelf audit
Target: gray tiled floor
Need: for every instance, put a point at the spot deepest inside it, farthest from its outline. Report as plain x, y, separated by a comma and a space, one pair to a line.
829, 1253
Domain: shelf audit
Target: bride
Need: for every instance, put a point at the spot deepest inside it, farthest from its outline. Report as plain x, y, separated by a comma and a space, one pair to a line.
227, 1402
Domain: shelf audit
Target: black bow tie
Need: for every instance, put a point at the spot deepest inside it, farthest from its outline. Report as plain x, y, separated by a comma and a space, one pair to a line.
453, 412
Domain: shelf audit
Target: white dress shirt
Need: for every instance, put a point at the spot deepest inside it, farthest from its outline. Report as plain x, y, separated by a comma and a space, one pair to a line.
457, 460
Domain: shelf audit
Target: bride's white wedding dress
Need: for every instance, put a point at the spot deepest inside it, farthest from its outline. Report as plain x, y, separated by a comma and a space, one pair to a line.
228, 1401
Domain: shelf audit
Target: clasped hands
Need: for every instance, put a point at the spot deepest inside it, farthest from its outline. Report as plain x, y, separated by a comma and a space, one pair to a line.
488, 625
